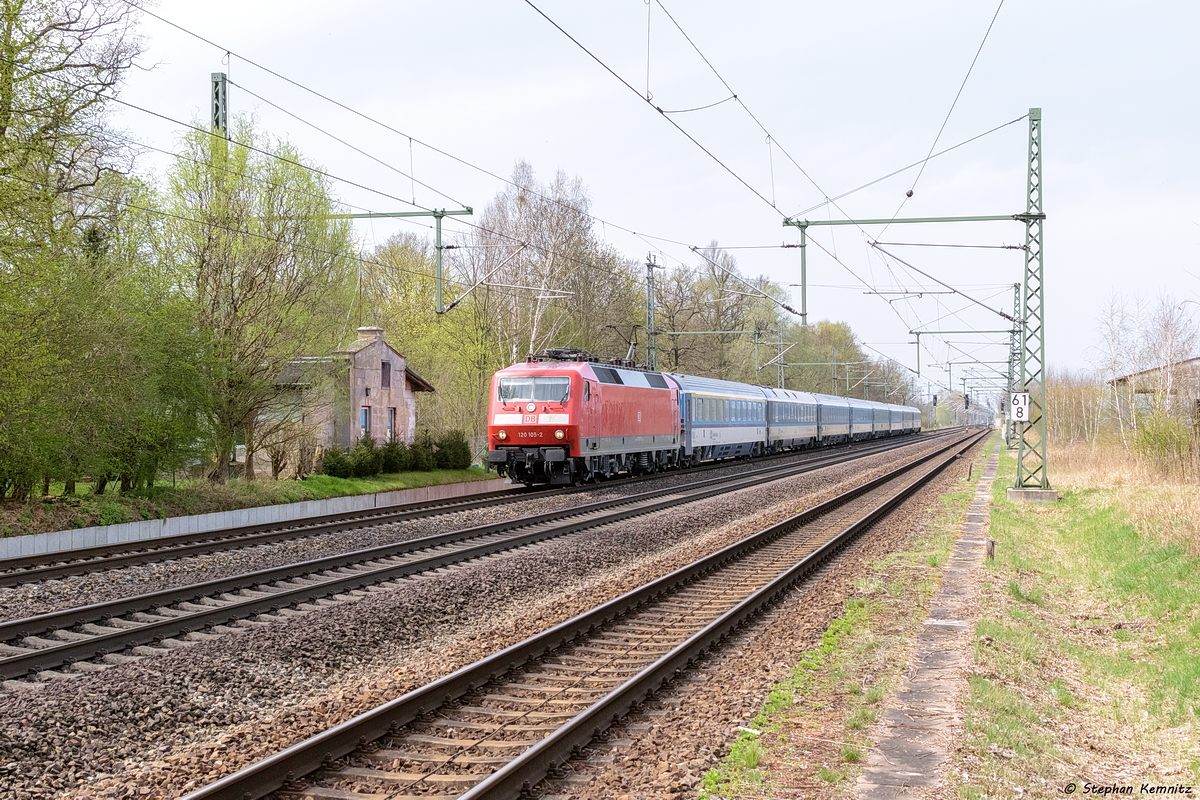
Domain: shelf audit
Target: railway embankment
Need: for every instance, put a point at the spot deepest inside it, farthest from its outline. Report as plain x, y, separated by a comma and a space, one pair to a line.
59, 521
1079, 672
178, 716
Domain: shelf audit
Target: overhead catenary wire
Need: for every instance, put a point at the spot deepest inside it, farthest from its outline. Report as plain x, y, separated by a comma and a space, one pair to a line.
650, 103
412, 139
869, 184
945, 121
742, 103
958, 95
307, 167
233, 173
341, 141
771, 139
943, 283
218, 226
207, 132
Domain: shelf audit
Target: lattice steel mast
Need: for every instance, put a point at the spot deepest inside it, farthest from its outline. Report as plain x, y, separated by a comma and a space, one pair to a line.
1032, 472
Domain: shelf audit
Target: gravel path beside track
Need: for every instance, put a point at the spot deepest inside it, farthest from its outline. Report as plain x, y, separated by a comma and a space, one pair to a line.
158, 727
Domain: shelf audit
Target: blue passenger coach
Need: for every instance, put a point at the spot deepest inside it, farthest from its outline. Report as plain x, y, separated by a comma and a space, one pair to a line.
720, 419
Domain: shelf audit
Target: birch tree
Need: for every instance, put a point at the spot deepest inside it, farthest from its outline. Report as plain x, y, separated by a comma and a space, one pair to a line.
271, 275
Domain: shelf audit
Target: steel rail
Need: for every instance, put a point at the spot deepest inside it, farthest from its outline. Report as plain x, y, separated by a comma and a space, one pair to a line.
535, 764
318, 751
49, 654
86, 560
20, 570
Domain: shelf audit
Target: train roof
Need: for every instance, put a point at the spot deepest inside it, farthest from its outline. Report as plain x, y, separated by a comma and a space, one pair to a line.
716, 386
789, 394
604, 373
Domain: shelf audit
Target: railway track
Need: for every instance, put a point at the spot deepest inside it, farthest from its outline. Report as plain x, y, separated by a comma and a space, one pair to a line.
94, 637
498, 727
82, 561
38, 567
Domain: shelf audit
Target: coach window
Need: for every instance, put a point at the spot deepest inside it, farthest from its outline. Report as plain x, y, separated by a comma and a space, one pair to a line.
587, 390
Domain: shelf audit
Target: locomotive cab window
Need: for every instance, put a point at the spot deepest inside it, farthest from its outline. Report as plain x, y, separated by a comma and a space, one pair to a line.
538, 390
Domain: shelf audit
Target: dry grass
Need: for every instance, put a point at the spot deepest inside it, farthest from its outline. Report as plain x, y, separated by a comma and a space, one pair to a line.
1163, 506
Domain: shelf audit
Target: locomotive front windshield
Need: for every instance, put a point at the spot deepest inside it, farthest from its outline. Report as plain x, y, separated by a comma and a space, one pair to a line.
537, 390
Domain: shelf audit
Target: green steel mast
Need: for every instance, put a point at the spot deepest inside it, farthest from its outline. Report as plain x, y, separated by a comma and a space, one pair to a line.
1031, 444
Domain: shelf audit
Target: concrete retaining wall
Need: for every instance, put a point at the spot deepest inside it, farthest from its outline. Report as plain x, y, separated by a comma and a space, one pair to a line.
155, 528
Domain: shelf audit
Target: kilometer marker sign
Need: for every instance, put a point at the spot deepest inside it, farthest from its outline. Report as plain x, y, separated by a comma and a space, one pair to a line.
1018, 406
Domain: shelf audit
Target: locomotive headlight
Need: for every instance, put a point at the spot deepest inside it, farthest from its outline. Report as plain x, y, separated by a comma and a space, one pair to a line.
501, 435
558, 434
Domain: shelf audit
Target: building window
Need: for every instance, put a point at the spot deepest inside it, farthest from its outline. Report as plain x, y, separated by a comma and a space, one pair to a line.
385, 375
364, 422
391, 431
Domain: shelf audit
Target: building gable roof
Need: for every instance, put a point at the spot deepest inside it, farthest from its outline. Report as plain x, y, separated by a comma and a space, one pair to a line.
1147, 372
298, 370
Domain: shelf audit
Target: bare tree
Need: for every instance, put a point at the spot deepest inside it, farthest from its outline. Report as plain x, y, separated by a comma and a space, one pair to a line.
269, 271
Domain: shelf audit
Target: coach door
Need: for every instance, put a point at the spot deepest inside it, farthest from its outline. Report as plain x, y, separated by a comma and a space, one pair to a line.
588, 429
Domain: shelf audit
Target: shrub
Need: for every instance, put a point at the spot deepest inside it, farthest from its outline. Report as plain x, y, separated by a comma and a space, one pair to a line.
453, 451
336, 463
1164, 440
396, 457
366, 459
421, 453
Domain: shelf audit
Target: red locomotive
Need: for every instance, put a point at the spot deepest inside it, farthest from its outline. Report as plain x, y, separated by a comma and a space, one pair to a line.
567, 419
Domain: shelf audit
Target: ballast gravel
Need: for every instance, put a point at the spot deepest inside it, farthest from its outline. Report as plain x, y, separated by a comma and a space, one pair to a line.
29, 600
182, 718
685, 730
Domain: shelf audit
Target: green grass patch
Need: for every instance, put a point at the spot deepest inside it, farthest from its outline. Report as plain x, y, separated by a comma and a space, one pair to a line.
324, 486
1086, 625
84, 508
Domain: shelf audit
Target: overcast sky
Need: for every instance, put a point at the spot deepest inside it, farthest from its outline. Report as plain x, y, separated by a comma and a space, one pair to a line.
850, 91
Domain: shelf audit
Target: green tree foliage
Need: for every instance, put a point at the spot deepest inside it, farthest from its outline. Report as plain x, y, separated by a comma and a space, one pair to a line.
270, 274
94, 347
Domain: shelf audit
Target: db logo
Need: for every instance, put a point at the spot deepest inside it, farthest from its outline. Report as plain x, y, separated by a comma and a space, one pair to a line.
529, 419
